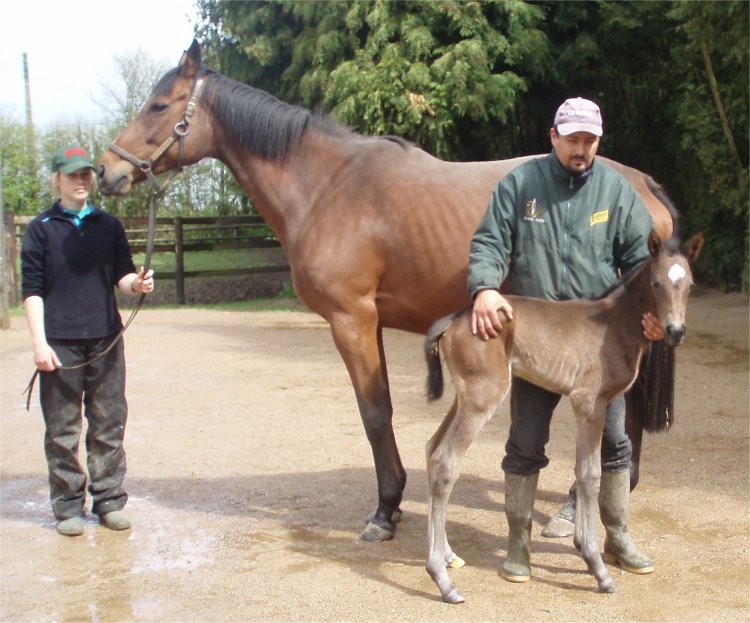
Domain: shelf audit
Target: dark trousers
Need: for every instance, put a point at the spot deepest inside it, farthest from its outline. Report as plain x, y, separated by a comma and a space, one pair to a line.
531, 410
100, 389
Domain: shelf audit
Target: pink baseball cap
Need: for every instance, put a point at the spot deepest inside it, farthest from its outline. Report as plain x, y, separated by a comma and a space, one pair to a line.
578, 115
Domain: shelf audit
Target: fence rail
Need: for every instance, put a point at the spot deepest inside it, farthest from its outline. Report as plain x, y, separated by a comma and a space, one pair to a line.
179, 235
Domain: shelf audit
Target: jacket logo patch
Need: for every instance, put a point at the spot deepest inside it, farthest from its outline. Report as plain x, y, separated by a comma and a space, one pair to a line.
534, 211
599, 217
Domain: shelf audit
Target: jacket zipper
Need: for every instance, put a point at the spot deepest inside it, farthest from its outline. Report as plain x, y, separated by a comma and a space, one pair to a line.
566, 244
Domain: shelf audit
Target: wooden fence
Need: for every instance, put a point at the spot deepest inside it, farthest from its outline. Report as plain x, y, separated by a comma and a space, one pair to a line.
179, 235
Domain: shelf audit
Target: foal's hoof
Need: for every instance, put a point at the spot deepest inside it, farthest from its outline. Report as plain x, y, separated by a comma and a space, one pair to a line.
373, 532
454, 597
607, 587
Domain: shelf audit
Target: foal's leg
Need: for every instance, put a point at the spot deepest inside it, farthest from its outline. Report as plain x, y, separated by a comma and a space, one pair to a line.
359, 340
451, 560
589, 426
444, 467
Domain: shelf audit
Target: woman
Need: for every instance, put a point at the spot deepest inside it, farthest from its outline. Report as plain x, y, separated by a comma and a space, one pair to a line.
72, 257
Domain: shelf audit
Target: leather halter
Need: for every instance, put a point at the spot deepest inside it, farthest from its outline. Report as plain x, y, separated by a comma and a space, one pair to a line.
179, 133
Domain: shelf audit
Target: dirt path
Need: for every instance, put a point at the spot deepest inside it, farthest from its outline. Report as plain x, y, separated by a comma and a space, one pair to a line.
249, 476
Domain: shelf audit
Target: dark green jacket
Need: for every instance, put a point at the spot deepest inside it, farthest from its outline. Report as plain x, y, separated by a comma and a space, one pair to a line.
558, 237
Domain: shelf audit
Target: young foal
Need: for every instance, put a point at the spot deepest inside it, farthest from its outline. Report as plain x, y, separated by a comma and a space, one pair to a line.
588, 350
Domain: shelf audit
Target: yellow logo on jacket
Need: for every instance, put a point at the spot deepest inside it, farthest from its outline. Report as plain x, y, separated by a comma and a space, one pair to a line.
599, 217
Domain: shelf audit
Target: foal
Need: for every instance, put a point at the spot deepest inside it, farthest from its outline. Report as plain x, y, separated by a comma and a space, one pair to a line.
588, 350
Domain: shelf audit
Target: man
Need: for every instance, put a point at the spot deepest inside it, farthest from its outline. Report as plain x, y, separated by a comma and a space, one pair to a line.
560, 227
73, 255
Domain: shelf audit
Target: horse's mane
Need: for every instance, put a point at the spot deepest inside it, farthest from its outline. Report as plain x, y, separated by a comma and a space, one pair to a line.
262, 123
661, 194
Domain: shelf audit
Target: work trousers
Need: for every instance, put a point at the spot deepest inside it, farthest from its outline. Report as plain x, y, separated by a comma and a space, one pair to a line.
98, 388
531, 409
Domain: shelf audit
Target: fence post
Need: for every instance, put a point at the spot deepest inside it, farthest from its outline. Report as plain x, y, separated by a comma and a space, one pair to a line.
179, 262
8, 277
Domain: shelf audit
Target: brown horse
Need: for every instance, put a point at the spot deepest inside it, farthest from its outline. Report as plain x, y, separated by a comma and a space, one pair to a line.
587, 350
376, 231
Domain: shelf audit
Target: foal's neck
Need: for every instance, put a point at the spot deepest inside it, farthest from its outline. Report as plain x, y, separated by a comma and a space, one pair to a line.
634, 297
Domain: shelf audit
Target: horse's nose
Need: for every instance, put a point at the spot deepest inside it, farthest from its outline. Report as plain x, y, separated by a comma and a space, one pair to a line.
675, 335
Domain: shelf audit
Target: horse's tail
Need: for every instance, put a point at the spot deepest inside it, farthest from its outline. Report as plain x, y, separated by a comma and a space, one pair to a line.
435, 383
652, 393
653, 390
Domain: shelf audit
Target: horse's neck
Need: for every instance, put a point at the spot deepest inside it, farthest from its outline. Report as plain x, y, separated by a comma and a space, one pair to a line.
284, 191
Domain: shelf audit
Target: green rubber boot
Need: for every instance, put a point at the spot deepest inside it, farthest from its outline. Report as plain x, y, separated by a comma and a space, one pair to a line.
519, 504
619, 548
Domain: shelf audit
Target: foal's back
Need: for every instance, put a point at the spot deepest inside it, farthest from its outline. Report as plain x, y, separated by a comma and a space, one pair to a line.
558, 345
564, 345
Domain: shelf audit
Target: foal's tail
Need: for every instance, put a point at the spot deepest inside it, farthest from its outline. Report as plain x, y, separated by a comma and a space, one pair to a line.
653, 391
435, 383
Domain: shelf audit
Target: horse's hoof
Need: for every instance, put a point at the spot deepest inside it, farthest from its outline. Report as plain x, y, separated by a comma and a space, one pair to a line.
373, 532
558, 528
454, 597
456, 562
395, 516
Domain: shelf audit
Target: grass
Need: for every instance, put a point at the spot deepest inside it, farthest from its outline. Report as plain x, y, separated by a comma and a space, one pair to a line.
286, 300
222, 259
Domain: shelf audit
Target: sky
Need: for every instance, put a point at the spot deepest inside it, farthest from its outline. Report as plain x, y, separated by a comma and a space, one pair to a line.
70, 48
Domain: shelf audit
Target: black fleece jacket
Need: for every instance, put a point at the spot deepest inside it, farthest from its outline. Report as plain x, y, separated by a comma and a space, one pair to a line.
75, 270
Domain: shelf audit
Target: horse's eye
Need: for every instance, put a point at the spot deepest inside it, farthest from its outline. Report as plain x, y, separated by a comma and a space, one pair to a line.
656, 285
157, 107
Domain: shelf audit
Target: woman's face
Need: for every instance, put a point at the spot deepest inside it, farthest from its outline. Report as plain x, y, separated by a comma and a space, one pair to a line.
75, 188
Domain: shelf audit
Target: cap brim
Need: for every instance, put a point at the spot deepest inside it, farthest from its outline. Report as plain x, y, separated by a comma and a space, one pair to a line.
72, 167
571, 128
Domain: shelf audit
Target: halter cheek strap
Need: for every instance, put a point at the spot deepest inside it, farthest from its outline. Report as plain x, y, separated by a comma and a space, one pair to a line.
179, 133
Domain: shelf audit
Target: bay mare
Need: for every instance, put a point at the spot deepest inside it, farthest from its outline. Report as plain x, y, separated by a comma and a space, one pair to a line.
376, 230
587, 350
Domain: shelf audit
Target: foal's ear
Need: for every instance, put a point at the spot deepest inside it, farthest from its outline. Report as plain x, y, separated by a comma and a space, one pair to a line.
692, 248
654, 243
190, 62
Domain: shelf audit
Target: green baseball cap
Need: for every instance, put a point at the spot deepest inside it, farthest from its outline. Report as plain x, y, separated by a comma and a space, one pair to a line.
70, 159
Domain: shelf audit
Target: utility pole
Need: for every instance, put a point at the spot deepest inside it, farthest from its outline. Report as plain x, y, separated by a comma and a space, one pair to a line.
29, 121
5, 276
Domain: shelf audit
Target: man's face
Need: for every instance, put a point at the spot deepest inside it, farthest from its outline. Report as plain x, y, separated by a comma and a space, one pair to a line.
575, 151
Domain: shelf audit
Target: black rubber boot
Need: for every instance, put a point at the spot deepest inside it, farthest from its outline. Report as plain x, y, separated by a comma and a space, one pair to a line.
520, 492
614, 495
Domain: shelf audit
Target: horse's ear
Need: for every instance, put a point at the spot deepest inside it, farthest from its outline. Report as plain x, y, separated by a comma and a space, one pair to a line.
654, 243
190, 62
692, 248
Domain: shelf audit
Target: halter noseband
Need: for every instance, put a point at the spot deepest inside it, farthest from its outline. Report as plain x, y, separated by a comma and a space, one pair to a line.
179, 133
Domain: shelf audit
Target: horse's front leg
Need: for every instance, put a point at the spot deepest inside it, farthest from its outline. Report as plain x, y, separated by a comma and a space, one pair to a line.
589, 427
360, 343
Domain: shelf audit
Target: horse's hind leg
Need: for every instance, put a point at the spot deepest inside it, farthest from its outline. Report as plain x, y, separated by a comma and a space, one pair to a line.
476, 401
589, 426
451, 560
